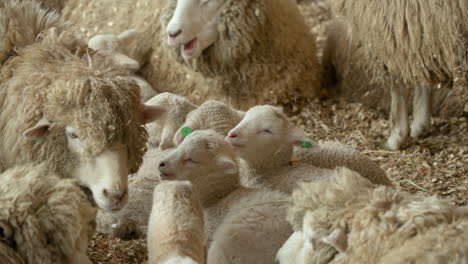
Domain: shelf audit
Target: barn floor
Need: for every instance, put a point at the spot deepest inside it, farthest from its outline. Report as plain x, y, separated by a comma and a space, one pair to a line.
435, 165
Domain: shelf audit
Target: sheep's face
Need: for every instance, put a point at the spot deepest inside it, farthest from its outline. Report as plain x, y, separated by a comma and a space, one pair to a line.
193, 26
104, 172
264, 130
203, 152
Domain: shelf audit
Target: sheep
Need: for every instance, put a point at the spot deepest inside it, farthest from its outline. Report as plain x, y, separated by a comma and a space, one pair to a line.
132, 221
351, 220
43, 219
161, 132
113, 45
70, 108
244, 52
242, 225
175, 228
265, 139
213, 115
416, 51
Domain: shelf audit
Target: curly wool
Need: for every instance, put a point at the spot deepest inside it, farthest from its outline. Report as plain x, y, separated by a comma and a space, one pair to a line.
59, 79
264, 54
51, 219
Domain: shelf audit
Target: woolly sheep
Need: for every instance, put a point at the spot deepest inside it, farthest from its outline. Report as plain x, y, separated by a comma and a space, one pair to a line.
350, 220
175, 228
132, 220
242, 225
66, 106
414, 50
114, 46
213, 115
43, 219
265, 139
161, 131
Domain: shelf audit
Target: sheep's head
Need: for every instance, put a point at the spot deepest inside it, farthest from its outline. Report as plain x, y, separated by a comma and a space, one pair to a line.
202, 153
44, 219
89, 122
265, 130
194, 26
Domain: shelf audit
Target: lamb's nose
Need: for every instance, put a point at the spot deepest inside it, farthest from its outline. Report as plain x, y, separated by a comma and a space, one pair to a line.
162, 165
174, 34
232, 135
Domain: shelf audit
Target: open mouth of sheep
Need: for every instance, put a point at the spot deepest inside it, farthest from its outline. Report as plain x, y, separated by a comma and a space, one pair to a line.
189, 47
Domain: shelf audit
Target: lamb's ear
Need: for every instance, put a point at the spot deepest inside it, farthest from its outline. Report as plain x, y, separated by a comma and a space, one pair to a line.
337, 239
41, 129
127, 36
240, 115
182, 132
298, 138
227, 164
126, 62
152, 113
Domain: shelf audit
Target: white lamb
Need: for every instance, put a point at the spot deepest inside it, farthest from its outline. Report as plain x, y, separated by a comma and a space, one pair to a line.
43, 219
175, 228
242, 225
265, 139
161, 131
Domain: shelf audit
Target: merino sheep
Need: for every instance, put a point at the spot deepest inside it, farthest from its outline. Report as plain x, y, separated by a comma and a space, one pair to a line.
43, 219
213, 115
73, 109
175, 228
242, 225
350, 220
161, 131
115, 47
265, 139
425, 50
246, 51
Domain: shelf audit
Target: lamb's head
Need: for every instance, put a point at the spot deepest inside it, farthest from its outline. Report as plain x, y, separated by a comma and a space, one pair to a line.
44, 219
89, 122
266, 130
202, 153
194, 26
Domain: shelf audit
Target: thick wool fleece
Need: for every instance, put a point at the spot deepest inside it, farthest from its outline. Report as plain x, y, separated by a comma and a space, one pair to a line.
51, 218
175, 228
265, 53
379, 222
59, 79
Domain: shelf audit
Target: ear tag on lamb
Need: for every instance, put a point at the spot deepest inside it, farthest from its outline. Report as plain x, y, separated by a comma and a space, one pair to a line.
306, 144
185, 131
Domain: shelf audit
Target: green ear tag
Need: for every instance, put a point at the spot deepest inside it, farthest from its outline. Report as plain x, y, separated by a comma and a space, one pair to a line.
306, 144
185, 131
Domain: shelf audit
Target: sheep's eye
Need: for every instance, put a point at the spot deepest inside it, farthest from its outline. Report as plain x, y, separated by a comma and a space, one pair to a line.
72, 135
190, 160
268, 131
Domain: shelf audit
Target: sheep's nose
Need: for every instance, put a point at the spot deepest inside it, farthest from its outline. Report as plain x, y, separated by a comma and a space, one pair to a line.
162, 165
232, 135
113, 195
174, 34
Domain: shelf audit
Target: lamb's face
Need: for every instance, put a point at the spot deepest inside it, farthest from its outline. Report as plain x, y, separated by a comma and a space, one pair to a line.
202, 152
193, 26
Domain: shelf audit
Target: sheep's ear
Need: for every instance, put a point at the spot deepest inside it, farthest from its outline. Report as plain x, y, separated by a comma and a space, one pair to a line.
298, 138
180, 134
337, 239
126, 62
227, 164
152, 113
41, 129
103, 42
240, 115
127, 36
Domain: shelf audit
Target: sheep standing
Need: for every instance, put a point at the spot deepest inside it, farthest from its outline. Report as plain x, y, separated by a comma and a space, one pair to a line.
68, 107
43, 219
175, 231
265, 139
350, 220
424, 50
241, 225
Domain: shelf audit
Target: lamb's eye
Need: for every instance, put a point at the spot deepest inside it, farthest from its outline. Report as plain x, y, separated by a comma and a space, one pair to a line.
189, 159
268, 131
72, 135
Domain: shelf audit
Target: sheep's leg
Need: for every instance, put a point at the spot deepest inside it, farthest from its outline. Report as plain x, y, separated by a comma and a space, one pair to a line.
398, 119
421, 124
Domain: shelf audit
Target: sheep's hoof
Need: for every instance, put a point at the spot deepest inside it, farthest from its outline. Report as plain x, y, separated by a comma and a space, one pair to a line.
418, 131
390, 145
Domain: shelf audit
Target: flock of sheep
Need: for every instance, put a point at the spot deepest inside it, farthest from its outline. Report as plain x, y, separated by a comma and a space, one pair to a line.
206, 168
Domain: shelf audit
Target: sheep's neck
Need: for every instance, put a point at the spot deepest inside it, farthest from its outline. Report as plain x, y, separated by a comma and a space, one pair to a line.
266, 163
215, 186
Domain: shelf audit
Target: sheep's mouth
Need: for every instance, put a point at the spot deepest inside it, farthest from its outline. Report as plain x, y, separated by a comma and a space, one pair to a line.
190, 47
166, 176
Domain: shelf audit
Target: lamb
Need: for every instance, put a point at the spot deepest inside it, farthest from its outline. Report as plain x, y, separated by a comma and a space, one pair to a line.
265, 139
414, 50
242, 225
114, 46
43, 219
70, 108
351, 220
176, 232
213, 115
161, 132
242, 52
